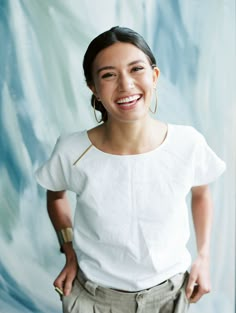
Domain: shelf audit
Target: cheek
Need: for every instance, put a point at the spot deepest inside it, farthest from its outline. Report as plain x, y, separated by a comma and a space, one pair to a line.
103, 89
147, 84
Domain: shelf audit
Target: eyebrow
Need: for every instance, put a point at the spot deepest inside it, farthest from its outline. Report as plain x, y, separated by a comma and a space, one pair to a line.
113, 67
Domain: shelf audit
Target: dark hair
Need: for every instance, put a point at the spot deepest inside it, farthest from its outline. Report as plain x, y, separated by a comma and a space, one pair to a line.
104, 40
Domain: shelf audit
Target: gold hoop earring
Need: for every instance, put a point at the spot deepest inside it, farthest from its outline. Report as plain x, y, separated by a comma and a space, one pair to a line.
155, 108
94, 111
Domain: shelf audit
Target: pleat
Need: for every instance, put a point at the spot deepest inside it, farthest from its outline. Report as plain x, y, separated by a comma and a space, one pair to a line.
85, 304
101, 309
181, 302
71, 303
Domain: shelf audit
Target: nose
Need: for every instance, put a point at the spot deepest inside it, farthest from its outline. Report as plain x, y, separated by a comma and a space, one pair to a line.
125, 82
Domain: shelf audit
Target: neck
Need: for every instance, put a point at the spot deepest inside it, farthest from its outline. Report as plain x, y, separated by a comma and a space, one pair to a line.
129, 138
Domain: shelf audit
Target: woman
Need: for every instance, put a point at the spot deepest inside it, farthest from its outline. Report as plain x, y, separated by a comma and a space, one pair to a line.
131, 175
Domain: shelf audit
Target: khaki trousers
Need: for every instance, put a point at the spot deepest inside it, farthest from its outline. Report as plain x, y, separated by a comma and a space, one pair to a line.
87, 297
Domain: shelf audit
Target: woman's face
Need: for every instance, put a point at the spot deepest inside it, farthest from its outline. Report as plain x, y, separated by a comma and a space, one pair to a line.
124, 81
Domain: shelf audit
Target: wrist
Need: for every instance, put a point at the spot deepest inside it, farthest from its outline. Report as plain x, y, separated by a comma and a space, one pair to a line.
204, 255
204, 249
69, 251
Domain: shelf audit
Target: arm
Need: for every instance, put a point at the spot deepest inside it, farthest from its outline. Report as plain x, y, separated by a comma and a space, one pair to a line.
199, 280
60, 216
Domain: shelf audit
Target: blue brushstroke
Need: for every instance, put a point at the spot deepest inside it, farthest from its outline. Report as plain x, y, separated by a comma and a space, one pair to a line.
178, 57
12, 293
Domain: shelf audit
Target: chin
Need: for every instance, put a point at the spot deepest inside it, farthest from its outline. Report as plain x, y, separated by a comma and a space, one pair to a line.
134, 117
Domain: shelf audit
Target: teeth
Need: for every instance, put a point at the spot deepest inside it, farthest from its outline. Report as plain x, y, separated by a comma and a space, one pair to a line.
128, 99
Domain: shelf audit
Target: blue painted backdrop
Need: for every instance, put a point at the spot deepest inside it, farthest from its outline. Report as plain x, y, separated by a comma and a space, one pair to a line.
43, 94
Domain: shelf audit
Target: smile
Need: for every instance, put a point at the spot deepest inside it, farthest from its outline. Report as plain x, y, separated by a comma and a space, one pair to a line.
128, 100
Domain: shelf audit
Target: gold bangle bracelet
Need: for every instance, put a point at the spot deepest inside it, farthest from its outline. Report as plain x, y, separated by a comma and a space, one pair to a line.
65, 235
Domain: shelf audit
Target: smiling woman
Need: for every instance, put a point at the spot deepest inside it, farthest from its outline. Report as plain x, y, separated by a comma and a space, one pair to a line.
131, 175
116, 35
123, 81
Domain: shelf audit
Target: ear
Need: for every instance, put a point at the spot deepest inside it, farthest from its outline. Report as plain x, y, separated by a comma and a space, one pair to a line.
156, 73
93, 89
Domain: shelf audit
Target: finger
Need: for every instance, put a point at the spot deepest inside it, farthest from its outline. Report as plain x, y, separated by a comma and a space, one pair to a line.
190, 286
196, 294
59, 282
68, 285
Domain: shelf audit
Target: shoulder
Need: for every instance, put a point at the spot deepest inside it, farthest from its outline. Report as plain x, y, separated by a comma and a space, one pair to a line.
184, 139
72, 143
70, 138
187, 132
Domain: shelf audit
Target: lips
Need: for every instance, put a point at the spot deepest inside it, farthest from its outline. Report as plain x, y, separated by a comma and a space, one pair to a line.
126, 101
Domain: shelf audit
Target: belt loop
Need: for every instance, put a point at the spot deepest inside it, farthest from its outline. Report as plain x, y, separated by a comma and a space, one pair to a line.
177, 280
91, 287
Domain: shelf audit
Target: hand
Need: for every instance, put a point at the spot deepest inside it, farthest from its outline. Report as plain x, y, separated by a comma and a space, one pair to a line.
65, 279
199, 279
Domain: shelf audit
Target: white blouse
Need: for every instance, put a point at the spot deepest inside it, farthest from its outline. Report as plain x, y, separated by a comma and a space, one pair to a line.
131, 218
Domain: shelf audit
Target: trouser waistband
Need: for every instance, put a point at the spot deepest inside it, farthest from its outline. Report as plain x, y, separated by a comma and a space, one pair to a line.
160, 290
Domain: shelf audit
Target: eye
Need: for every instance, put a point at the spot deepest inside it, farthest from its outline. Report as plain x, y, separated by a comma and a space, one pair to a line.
108, 75
137, 68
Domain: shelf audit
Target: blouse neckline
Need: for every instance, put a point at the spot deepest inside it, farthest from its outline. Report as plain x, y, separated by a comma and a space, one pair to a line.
157, 149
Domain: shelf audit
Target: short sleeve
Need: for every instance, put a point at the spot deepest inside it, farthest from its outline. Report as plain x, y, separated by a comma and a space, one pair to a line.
52, 175
207, 165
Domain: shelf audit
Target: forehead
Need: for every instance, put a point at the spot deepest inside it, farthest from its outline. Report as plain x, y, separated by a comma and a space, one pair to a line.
119, 53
